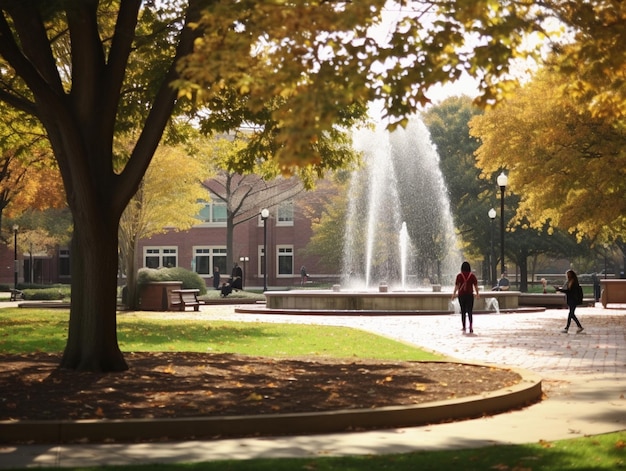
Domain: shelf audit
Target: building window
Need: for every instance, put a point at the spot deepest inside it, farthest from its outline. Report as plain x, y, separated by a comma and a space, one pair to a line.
213, 213
285, 260
202, 261
284, 216
157, 257
261, 258
64, 262
207, 258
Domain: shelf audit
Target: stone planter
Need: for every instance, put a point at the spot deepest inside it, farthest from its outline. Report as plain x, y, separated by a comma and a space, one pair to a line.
157, 295
613, 292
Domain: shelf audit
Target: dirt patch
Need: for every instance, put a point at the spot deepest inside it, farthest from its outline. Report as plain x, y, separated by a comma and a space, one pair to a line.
168, 385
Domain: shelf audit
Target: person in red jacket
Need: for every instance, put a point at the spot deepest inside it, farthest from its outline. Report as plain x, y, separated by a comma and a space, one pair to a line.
465, 284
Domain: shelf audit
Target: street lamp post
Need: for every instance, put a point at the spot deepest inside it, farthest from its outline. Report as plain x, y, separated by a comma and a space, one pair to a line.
245, 271
15, 229
502, 181
492, 255
264, 215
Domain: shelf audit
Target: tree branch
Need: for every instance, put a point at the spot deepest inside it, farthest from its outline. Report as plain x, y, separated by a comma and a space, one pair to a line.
160, 112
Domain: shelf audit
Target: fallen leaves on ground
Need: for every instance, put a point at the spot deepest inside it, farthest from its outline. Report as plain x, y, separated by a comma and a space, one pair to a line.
159, 385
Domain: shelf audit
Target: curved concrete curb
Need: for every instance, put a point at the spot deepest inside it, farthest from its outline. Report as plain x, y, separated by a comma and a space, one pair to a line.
524, 393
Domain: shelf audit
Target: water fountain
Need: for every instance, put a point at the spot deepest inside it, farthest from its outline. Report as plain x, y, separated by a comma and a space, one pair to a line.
399, 235
399, 221
492, 304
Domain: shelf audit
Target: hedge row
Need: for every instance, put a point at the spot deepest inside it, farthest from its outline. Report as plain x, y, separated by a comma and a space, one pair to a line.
190, 280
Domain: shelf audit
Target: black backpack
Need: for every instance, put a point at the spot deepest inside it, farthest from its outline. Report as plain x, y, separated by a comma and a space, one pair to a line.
579, 294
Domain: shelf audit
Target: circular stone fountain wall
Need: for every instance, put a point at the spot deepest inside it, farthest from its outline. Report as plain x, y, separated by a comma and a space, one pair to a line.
367, 302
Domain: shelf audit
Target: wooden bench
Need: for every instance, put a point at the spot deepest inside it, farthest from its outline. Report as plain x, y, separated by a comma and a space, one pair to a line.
186, 297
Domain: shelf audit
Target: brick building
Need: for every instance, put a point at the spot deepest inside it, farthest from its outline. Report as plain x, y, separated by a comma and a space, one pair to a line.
38, 268
203, 247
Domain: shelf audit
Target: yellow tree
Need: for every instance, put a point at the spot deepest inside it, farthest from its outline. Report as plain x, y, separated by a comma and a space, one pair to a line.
169, 198
297, 69
595, 64
28, 177
39, 188
567, 164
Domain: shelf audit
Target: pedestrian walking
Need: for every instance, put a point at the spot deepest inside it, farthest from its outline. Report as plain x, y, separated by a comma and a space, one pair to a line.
465, 284
574, 296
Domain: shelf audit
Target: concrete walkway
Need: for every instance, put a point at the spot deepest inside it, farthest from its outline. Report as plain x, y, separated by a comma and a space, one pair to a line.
584, 384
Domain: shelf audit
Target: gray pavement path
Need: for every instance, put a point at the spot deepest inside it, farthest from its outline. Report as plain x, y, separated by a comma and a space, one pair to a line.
584, 380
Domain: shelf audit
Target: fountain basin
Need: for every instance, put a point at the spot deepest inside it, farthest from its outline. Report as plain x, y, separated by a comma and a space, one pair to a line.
391, 301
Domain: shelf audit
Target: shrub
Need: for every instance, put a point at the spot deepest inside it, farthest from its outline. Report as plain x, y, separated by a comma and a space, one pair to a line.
25, 285
55, 293
189, 279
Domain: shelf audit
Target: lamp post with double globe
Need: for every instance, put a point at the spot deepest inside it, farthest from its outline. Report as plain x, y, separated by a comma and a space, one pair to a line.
244, 260
265, 213
502, 180
15, 270
492, 255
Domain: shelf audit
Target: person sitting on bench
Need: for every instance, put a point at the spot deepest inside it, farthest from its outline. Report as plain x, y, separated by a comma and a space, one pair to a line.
226, 289
503, 283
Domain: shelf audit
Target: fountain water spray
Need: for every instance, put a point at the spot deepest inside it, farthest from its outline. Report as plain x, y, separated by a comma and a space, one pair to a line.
399, 227
404, 247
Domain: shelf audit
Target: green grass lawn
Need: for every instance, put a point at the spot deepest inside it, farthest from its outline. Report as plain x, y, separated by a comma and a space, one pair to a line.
602, 452
45, 330
40, 330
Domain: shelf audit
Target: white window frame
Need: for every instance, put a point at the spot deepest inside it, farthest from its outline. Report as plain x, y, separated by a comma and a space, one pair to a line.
260, 256
160, 252
281, 252
209, 207
212, 251
285, 213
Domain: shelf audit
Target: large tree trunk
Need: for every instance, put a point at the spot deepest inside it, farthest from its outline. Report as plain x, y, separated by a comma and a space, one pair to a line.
92, 338
80, 117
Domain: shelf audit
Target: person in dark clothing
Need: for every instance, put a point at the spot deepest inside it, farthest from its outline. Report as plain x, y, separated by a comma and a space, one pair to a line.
503, 283
236, 281
573, 297
465, 284
226, 290
216, 278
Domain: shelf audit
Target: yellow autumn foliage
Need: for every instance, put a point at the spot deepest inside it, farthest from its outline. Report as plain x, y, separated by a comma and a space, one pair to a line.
567, 164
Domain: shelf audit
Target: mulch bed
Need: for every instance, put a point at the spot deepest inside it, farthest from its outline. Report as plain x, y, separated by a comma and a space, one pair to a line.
171, 385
